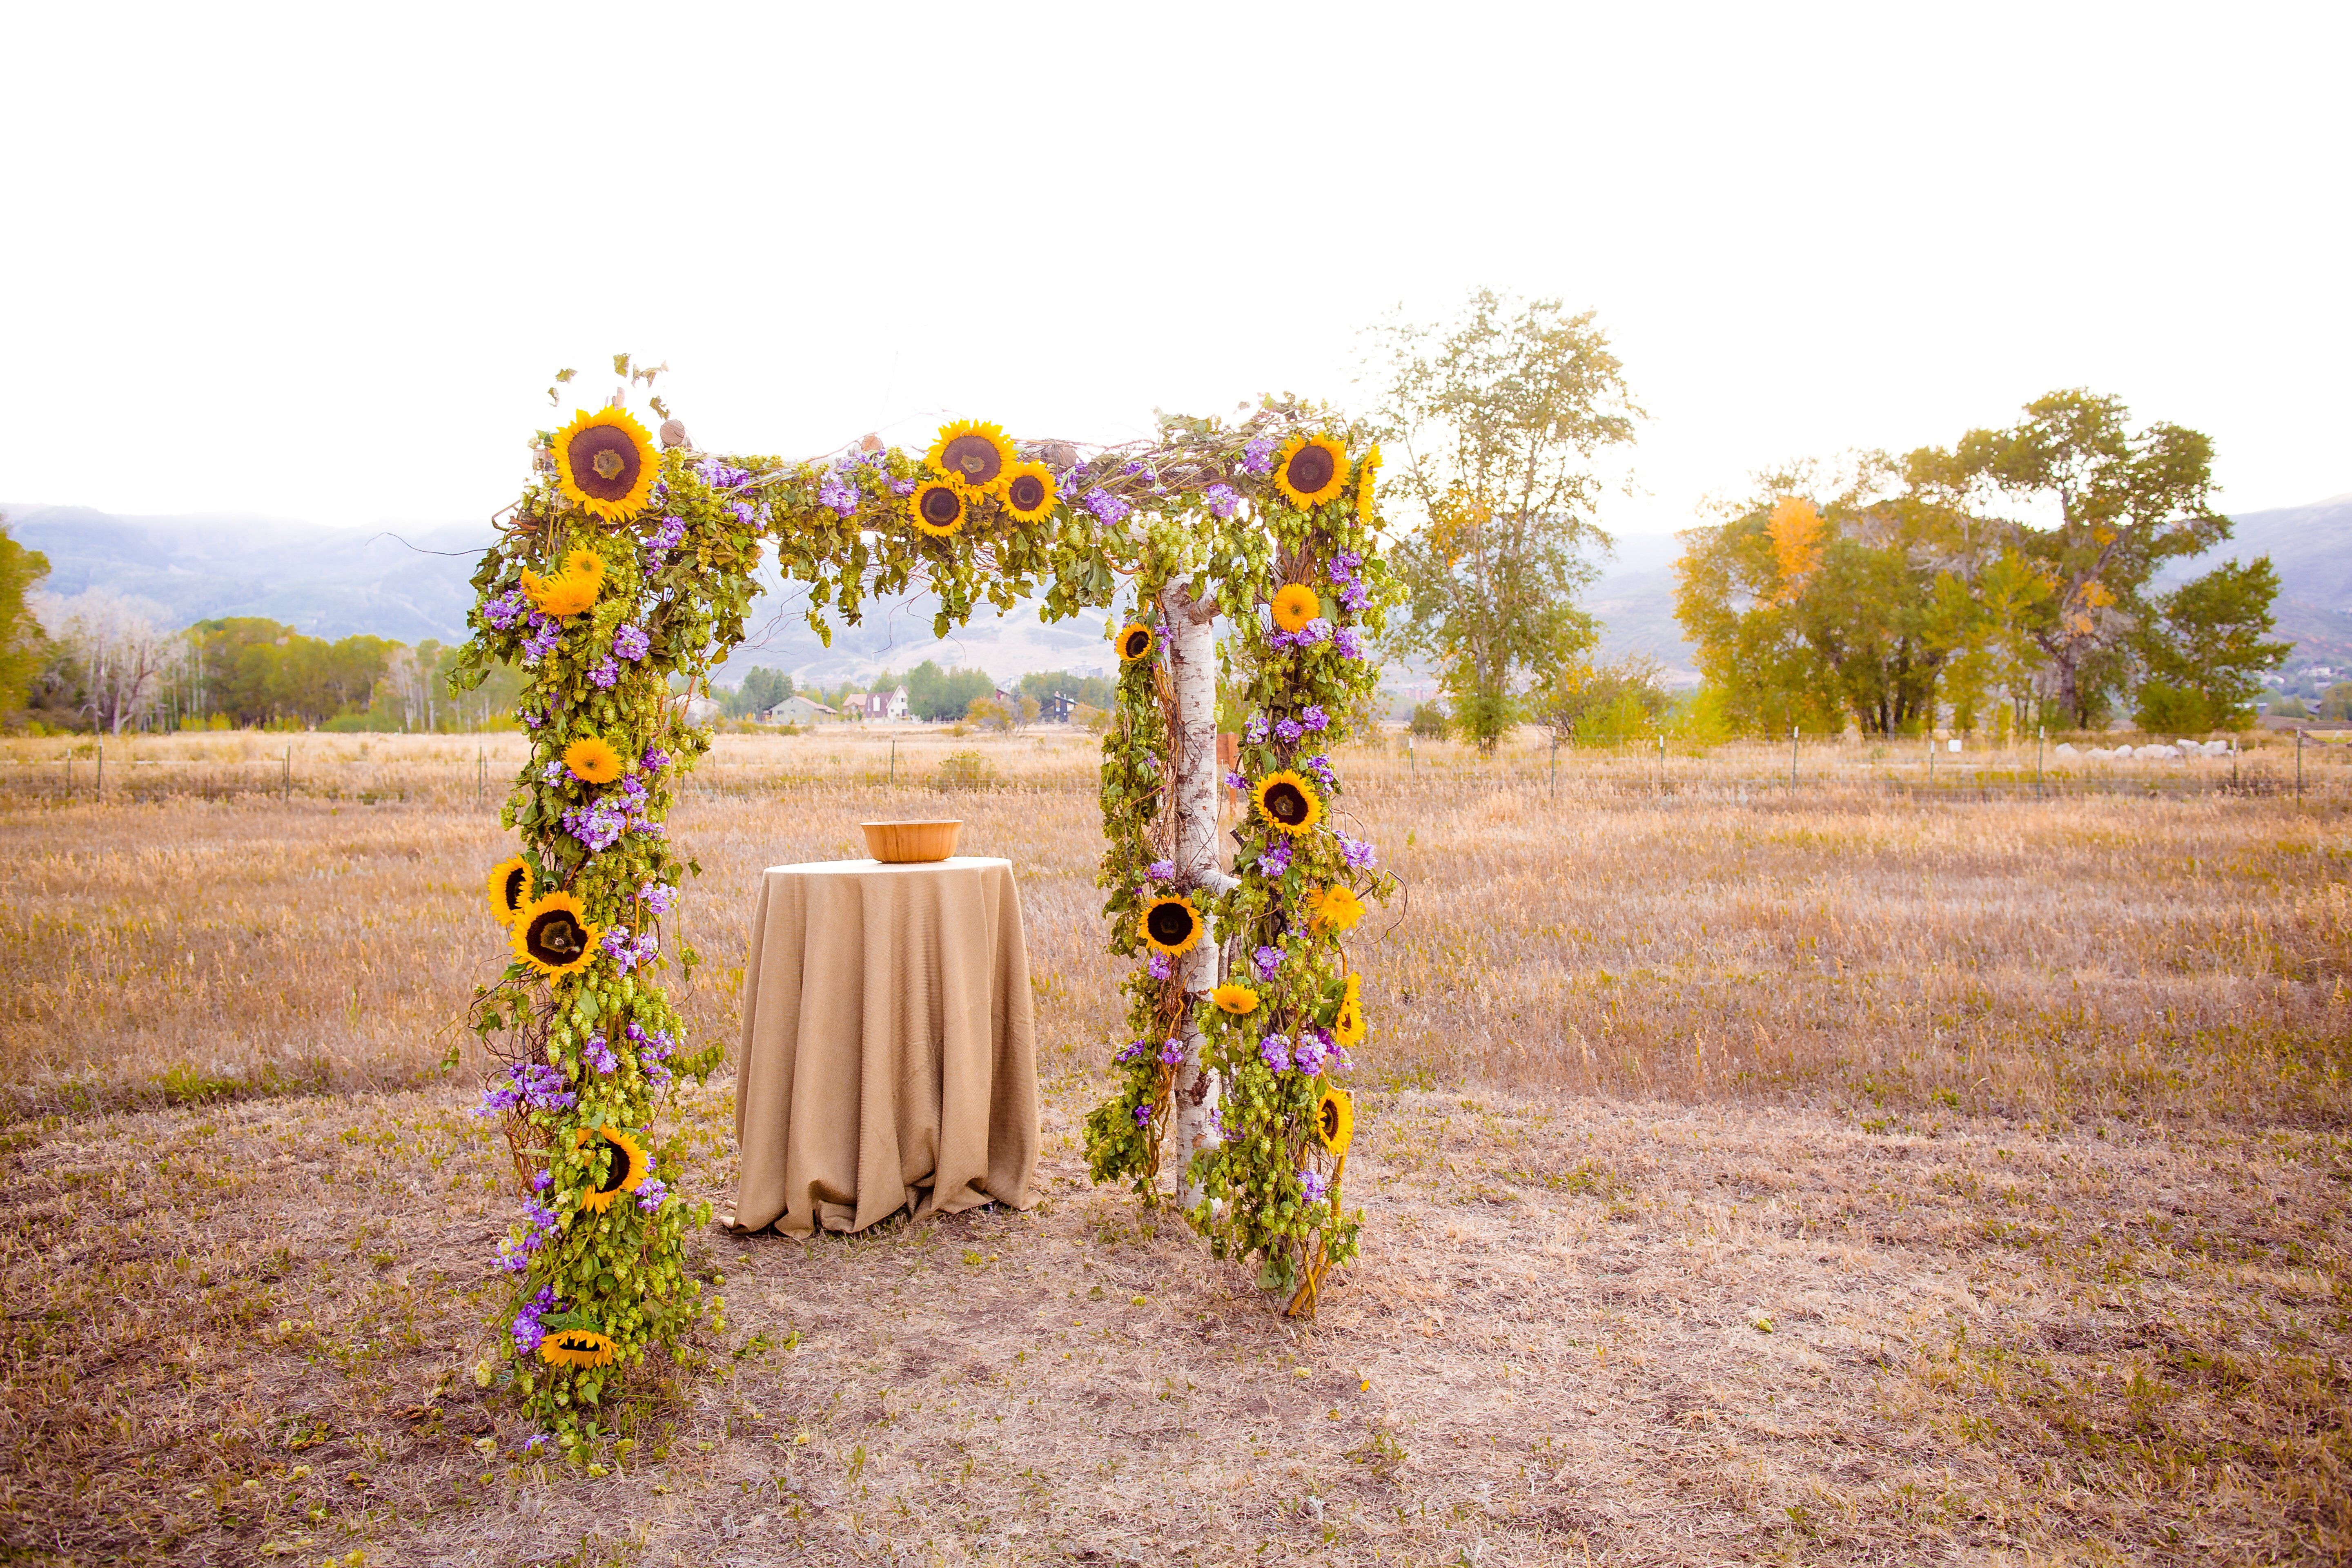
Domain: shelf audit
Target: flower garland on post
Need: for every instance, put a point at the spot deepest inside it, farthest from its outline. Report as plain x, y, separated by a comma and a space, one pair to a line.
1261, 1050
623, 574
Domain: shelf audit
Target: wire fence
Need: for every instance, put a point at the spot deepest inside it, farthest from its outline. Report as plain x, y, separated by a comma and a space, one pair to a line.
467, 773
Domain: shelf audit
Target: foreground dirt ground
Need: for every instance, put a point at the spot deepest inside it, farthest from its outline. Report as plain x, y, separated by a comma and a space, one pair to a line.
1580, 1330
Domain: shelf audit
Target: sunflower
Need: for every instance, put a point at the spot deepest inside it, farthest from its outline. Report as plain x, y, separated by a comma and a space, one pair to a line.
1347, 1029
551, 935
1367, 471
1171, 925
592, 760
585, 563
626, 1168
1311, 470
1294, 605
605, 462
1135, 640
509, 887
578, 1347
1238, 1000
1335, 1121
937, 507
1289, 802
566, 594
974, 457
1029, 492
1333, 908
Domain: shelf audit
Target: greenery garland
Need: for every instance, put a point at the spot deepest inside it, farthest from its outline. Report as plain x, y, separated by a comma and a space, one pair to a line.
623, 574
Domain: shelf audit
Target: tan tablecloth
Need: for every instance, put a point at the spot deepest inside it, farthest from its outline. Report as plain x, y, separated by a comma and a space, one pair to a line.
889, 1050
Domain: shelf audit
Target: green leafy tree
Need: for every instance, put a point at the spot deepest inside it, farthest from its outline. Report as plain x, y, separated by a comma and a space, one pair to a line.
941, 694
761, 689
2205, 646
2097, 508
1496, 421
22, 649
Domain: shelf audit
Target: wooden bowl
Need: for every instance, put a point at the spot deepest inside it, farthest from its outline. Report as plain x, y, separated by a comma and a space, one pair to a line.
909, 843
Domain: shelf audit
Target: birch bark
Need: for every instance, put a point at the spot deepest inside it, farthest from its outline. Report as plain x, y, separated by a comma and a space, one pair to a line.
1192, 664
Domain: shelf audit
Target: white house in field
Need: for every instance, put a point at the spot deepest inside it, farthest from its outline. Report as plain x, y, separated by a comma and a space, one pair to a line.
875, 704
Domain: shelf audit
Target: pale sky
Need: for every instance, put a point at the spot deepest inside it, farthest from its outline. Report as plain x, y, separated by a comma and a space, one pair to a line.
318, 263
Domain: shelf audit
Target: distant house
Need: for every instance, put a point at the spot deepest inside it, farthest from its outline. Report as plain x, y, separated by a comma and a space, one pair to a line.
696, 709
875, 704
797, 711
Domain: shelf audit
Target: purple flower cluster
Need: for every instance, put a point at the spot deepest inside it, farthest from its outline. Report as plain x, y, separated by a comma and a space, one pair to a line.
599, 1056
1172, 1051
1158, 966
1106, 506
1143, 1116
514, 1257
659, 896
1237, 782
1269, 960
1320, 766
531, 720
1314, 631
656, 759
1354, 597
527, 1332
743, 514
653, 1050
1313, 1050
719, 476
1347, 642
1257, 458
1276, 858
837, 492
1314, 1185
606, 673
1161, 871
599, 824
528, 1086
1274, 1051
1223, 500
632, 643
1132, 1050
1315, 718
902, 487
545, 633
507, 609
1358, 852
1256, 730
626, 954
650, 1194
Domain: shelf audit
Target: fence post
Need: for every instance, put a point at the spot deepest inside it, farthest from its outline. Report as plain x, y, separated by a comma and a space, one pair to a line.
2298, 761
1792, 759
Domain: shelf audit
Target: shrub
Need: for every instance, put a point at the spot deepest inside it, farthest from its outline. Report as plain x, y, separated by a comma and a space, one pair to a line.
965, 770
1429, 721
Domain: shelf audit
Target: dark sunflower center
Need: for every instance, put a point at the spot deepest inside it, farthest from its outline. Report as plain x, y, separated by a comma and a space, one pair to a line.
604, 462
1136, 641
1027, 492
616, 1167
940, 507
556, 938
976, 458
1329, 1112
1311, 468
1286, 803
1169, 925
518, 880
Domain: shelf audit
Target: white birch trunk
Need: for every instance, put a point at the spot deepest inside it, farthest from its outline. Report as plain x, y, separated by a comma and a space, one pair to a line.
1192, 663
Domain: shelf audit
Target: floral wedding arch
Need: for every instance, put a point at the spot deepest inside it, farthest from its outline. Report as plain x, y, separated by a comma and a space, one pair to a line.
622, 576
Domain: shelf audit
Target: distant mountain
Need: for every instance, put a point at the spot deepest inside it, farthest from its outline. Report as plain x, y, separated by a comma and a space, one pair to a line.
411, 584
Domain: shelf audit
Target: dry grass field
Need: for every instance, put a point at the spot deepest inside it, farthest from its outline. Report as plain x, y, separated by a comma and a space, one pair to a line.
1750, 1173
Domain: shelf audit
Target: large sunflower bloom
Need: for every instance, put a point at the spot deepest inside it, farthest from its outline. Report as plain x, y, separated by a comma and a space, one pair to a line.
1238, 1000
1171, 925
1348, 1028
551, 935
937, 507
566, 594
1135, 640
1311, 470
509, 887
585, 563
1289, 802
591, 759
1335, 1120
605, 462
973, 457
1029, 492
578, 1347
1294, 605
626, 1166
